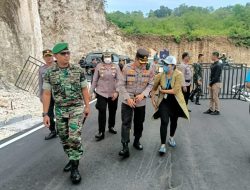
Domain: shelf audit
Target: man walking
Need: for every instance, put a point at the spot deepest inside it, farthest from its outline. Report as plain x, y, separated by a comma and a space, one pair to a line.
197, 77
135, 87
48, 58
68, 86
215, 85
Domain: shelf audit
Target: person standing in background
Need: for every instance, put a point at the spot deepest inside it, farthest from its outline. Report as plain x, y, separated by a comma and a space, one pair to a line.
215, 85
48, 58
197, 78
185, 68
105, 86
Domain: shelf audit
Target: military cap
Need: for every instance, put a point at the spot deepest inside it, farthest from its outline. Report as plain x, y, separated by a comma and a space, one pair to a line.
107, 54
47, 52
60, 47
142, 55
216, 53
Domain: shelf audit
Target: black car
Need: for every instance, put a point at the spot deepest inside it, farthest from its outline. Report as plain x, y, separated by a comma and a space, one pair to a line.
87, 62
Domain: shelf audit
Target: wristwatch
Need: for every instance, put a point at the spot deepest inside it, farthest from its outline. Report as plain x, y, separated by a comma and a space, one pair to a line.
44, 114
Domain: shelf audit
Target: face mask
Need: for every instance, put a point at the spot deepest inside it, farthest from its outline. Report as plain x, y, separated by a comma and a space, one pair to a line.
166, 69
107, 60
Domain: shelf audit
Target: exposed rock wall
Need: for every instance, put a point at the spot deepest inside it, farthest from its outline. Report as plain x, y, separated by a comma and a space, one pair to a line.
82, 24
20, 34
205, 46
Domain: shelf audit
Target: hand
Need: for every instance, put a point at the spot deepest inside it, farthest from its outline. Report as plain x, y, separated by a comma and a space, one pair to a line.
115, 96
93, 96
163, 91
46, 121
184, 88
86, 111
208, 87
154, 104
131, 103
199, 82
139, 97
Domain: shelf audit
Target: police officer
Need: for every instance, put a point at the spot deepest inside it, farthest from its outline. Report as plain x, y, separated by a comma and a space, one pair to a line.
135, 86
48, 58
187, 72
197, 77
68, 86
105, 85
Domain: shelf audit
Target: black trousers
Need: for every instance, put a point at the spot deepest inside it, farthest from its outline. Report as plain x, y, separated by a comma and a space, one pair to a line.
196, 92
51, 115
166, 115
127, 116
101, 106
187, 94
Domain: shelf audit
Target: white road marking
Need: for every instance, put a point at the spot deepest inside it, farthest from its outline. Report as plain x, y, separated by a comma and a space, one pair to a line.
28, 133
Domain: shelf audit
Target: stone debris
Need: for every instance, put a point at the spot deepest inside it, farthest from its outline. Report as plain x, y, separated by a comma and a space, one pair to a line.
17, 103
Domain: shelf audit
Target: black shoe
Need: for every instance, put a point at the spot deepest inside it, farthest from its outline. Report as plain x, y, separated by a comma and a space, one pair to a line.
215, 113
51, 135
125, 151
191, 97
189, 110
99, 136
112, 130
208, 111
75, 175
67, 168
197, 103
138, 145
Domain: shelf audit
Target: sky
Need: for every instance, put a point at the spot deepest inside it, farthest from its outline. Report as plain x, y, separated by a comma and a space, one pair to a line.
147, 5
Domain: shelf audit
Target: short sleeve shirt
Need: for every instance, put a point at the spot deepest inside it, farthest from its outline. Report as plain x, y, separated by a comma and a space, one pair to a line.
66, 85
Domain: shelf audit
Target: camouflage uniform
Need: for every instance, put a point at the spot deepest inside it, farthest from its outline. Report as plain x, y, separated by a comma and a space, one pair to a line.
197, 77
66, 85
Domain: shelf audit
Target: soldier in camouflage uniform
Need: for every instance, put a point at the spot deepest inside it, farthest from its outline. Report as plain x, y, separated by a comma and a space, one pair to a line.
69, 87
48, 58
135, 86
197, 80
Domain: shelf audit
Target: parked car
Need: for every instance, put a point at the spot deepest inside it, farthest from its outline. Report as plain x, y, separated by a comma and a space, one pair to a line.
97, 56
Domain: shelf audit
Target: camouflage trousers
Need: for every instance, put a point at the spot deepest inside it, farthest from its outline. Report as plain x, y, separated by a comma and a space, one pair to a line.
69, 126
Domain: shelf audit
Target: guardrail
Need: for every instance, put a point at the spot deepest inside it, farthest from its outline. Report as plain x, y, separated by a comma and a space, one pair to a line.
29, 76
233, 81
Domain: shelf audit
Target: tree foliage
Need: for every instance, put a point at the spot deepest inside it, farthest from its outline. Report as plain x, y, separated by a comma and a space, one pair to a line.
189, 22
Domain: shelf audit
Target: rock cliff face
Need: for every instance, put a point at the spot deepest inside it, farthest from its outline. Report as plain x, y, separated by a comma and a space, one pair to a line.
20, 35
205, 46
82, 23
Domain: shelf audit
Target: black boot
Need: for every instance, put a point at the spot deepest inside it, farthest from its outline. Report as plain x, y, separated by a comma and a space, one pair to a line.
99, 136
197, 102
51, 135
75, 175
67, 168
112, 130
191, 97
137, 144
125, 151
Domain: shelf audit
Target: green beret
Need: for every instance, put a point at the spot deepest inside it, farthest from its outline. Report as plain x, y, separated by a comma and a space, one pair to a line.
60, 47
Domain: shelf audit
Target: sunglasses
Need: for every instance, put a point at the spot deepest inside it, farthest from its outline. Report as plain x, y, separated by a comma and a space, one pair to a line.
65, 53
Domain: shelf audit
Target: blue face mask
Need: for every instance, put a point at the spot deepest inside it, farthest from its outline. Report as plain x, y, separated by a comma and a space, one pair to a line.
166, 69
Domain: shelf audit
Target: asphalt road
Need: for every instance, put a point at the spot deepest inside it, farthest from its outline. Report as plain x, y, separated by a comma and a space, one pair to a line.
213, 153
